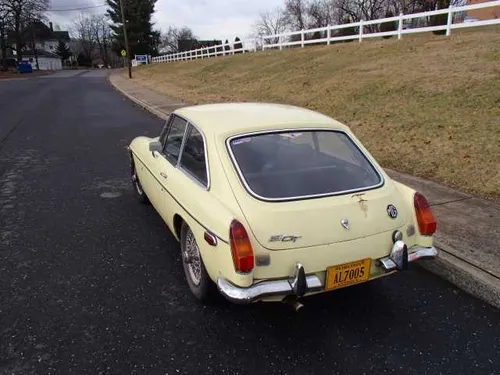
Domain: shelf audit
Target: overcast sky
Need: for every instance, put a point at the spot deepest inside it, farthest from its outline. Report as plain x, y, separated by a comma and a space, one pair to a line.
221, 19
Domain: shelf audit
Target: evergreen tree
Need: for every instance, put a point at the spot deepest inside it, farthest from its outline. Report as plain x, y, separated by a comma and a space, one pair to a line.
141, 36
63, 51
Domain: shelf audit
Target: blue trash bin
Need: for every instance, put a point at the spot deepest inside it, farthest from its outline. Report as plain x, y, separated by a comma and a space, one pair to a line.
24, 67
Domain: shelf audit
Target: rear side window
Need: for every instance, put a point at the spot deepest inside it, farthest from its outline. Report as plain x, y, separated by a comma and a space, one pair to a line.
193, 156
174, 139
295, 165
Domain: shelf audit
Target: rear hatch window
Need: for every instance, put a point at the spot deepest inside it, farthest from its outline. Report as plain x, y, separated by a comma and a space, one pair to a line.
289, 165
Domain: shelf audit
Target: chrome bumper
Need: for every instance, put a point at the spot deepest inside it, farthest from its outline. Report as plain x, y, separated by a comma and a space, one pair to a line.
390, 263
298, 285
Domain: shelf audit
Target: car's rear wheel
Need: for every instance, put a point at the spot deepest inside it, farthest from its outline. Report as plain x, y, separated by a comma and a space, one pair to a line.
202, 287
139, 192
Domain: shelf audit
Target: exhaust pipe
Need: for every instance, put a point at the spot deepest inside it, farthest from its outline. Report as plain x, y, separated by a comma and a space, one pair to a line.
293, 303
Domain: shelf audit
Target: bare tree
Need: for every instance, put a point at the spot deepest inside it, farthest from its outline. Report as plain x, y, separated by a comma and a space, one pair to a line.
83, 32
23, 13
5, 27
270, 23
323, 13
170, 40
363, 9
101, 33
296, 13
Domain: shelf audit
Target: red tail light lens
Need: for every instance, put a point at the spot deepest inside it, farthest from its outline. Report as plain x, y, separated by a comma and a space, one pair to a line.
425, 218
241, 248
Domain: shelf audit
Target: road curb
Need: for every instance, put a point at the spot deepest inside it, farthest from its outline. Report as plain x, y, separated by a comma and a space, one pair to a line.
465, 276
143, 104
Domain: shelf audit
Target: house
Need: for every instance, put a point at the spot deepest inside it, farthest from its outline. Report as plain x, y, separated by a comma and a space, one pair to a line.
45, 60
483, 14
46, 41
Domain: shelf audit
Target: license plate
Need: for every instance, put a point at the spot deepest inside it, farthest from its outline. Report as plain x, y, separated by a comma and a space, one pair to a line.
347, 274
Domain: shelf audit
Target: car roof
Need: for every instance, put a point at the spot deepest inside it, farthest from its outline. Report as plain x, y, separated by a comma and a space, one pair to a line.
238, 118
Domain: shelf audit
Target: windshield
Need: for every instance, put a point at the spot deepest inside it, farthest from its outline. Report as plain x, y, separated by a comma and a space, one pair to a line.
293, 165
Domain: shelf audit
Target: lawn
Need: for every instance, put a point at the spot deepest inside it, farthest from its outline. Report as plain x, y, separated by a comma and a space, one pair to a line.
426, 105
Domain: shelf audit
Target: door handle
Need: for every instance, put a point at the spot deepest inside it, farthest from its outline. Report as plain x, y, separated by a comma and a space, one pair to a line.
163, 175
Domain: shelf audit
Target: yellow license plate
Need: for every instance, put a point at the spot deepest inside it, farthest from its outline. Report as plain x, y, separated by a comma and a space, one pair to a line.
347, 274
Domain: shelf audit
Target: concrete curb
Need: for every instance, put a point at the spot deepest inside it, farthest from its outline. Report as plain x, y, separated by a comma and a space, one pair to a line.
464, 275
143, 104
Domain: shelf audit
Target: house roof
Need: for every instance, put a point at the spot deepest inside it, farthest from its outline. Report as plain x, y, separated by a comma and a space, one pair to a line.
61, 35
40, 53
43, 32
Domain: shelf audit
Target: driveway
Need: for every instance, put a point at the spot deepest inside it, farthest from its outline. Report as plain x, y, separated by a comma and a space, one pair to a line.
91, 282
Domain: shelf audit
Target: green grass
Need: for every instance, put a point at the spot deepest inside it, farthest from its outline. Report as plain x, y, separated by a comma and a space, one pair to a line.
427, 105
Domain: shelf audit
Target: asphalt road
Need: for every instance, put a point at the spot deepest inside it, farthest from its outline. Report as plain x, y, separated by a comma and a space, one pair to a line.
91, 282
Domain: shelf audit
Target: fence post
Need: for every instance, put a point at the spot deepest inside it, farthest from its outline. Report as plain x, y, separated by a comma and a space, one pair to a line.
328, 35
281, 43
360, 30
400, 25
302, 38
450, 20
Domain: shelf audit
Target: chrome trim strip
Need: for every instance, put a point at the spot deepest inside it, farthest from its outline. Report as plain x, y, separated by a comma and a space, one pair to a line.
184, 208
262, 132
414, 254
256, 292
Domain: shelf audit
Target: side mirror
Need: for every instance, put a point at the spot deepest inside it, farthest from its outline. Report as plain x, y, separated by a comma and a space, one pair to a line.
154, 146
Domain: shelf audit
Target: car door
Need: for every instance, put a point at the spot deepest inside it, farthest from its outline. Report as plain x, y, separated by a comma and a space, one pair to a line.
188, 180
165, 165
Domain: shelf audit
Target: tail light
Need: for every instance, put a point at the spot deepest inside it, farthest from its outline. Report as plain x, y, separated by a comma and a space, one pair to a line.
241, 248
425, 218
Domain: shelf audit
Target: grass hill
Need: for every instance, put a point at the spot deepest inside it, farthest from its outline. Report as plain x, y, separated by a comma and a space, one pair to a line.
426, 105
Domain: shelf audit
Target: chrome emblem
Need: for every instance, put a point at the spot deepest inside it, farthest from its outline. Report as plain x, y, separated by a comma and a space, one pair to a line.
345, 223
392, 211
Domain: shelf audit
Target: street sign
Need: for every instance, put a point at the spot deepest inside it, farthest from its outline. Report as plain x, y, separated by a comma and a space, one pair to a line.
124, 53
141, 59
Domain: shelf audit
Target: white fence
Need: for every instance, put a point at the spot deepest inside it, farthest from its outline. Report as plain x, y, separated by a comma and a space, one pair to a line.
328, 33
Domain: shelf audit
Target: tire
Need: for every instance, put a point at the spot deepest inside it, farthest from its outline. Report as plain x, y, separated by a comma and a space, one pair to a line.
139, 192
202, 287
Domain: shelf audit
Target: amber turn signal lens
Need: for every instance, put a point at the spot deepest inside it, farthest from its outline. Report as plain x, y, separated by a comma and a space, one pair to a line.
425, 218
241, 248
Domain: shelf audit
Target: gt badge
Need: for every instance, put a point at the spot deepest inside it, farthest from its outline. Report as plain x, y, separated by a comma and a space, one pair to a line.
282, 238
392, 211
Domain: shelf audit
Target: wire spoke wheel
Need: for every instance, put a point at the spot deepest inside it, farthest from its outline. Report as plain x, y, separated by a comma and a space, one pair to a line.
137, 185
192, 258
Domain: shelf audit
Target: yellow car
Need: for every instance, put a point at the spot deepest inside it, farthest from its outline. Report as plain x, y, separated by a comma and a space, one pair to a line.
273, 202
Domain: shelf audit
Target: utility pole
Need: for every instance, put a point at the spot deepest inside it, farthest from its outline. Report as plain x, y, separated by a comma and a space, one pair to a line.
129, 62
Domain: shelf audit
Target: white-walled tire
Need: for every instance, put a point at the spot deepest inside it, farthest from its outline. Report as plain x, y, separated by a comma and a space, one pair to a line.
202, 287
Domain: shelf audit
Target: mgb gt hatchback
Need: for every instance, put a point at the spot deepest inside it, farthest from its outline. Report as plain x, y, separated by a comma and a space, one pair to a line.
274, 202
